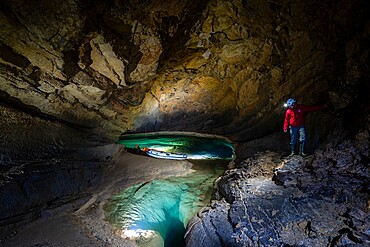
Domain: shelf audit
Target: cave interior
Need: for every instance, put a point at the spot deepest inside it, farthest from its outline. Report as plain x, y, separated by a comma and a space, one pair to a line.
77, 75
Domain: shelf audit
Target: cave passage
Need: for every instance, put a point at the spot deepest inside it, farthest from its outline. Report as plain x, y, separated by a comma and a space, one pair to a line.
156, 213
196, 146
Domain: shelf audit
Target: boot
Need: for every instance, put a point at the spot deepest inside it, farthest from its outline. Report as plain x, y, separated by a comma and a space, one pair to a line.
292, 148
301, 150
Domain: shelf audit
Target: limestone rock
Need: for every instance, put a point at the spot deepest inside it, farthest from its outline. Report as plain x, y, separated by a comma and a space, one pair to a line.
314, 201
105, 61
258, 54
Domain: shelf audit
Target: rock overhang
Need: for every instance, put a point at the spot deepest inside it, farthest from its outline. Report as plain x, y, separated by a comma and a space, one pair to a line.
220, 67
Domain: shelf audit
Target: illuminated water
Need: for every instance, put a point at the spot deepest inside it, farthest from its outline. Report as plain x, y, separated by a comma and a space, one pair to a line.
156, 213
196, 147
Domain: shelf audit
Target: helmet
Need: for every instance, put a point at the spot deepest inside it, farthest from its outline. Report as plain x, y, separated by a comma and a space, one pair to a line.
290, 102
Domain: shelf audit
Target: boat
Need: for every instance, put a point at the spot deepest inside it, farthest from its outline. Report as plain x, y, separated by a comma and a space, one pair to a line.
165, 155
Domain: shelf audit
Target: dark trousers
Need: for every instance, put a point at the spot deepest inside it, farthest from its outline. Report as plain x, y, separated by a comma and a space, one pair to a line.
295, 133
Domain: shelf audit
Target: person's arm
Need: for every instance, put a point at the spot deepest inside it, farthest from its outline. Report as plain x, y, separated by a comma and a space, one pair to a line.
286, 121
312, 108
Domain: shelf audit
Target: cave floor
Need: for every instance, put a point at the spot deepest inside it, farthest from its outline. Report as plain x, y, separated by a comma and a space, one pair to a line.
60, 230
86, 226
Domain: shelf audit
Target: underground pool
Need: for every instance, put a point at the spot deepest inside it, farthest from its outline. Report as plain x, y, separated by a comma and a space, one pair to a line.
156, 213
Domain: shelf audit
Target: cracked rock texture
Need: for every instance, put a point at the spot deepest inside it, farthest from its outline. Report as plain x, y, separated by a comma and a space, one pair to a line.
321, 200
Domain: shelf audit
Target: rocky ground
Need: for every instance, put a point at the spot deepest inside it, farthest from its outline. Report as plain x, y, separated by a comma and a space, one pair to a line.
269, 200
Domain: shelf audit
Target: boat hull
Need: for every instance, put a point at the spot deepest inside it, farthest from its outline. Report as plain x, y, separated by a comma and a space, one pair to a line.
165, 155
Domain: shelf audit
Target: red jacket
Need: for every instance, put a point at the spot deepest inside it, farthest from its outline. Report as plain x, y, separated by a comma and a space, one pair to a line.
295, 117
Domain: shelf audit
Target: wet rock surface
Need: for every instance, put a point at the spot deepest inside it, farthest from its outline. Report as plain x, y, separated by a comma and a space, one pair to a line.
319, 200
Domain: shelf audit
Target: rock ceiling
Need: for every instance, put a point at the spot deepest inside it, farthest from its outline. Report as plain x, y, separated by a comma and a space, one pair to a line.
213, 66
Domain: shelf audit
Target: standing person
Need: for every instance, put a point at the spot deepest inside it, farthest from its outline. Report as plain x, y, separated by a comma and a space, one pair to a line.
294, 119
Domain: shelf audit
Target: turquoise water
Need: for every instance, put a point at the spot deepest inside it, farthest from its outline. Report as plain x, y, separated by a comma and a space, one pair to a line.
157, 213
195, 146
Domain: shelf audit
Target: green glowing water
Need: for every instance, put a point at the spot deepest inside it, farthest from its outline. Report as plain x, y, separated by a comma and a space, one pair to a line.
164, 206
195, 146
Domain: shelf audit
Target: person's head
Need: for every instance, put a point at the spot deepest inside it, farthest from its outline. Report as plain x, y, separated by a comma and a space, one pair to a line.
291, 103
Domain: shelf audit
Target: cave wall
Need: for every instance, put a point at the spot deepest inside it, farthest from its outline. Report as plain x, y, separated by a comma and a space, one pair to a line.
223, 67
37, 137
46, 166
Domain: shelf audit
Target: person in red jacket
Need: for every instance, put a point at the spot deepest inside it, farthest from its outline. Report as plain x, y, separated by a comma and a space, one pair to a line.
294, 119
